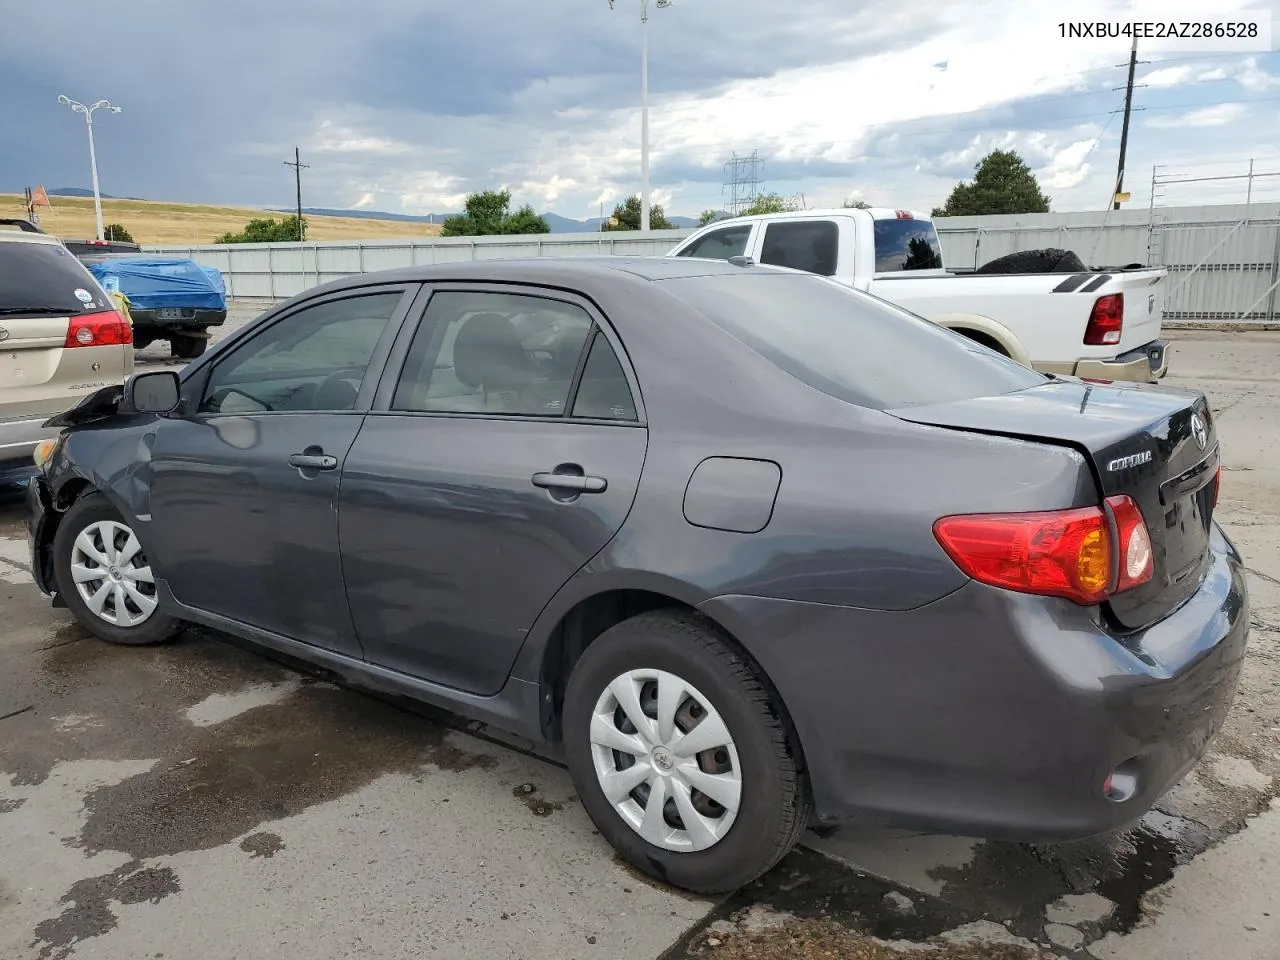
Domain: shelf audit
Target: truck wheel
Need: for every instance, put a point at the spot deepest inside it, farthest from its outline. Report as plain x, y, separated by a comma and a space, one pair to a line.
186, 347
681, 753
105, 577
141, 343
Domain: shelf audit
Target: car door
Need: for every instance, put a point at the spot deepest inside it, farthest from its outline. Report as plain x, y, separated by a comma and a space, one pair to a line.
244, 495
503, 458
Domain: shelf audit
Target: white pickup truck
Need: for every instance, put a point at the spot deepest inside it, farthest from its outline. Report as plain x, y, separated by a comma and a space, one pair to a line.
1098, 324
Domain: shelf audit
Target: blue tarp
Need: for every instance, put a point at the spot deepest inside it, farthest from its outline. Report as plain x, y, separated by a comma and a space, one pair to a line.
215, 277
152, 283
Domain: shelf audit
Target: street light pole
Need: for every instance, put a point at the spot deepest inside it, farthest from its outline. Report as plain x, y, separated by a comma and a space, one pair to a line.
644, 106
79, 107
644, 115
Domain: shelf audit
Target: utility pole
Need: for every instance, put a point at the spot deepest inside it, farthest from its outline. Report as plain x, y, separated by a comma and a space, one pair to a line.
298, 167
1124, 129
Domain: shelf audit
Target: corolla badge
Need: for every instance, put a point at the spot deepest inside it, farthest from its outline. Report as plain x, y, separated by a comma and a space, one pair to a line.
1133, 460
1198, 431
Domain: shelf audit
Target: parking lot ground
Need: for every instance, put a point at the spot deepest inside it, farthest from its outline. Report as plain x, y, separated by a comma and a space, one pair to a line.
200, 800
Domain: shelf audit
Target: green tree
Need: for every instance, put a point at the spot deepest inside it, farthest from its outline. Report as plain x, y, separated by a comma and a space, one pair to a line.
856, 205
266, 230
710, 216
627, 215
1002, 183
488, 214
116, 231
770, 203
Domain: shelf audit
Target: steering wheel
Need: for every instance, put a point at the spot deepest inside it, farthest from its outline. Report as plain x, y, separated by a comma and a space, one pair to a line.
344, 374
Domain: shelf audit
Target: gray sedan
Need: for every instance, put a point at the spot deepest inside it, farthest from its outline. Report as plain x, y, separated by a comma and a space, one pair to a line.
753, 550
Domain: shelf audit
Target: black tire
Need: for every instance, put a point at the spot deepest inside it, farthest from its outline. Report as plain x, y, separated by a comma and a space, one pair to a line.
775, 800
186, 347
141, 343
989, 342
1048, 260
90, 509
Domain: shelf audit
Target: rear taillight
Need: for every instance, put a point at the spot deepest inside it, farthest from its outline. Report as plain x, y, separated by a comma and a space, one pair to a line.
104, 329
1106, 321
1058, 553
1137, 563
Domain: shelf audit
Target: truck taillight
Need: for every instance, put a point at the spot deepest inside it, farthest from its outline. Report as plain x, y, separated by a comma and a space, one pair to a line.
102, 329
1106, 321
1056, 553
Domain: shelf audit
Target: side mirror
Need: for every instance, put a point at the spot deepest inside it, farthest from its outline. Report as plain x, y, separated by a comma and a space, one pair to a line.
155, 391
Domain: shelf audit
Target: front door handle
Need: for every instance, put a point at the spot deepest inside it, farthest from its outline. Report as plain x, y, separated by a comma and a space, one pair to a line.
313, 461
574, 482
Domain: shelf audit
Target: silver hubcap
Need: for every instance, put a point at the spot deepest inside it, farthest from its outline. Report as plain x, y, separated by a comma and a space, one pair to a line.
112, 575
665, 760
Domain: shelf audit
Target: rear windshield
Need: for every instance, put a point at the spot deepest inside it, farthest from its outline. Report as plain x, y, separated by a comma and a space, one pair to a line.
907, 245
850, 345
44, 277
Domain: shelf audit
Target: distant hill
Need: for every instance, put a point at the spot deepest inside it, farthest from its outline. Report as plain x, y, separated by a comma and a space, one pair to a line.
366, 214
77, 192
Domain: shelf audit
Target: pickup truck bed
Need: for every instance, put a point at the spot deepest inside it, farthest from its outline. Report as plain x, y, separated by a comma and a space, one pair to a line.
1101, 323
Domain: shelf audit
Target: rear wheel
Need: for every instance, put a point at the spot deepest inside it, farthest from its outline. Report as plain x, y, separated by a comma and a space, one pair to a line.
187, 347
681, 754
103, 574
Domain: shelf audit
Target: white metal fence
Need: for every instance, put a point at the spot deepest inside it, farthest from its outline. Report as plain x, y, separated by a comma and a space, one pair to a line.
280, 270
1224, 261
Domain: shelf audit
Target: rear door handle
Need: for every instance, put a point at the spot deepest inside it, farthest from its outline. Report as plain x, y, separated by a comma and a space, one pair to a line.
570, 481
313, 461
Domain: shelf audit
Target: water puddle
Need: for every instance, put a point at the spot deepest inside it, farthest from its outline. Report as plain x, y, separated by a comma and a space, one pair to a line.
1010, 900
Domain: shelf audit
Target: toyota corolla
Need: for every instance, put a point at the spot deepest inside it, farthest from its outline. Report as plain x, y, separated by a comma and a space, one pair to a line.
753, 550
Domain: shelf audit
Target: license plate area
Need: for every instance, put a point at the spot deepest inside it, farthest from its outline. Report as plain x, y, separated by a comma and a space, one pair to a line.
174, 313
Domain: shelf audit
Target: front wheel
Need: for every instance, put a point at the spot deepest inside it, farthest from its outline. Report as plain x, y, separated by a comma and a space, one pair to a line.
681, 754
104, 576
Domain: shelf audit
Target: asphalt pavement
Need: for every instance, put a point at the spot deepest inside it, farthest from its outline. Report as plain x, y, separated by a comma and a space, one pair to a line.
201, 800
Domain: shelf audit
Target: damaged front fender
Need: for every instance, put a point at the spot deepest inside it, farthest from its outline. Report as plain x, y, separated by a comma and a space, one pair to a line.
99, 405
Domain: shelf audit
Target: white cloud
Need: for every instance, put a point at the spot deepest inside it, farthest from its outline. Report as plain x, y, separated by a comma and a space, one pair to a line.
1007, 84
1215, 116
1068, 168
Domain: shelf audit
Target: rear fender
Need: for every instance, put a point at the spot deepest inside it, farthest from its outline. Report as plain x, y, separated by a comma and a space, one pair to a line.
962, 322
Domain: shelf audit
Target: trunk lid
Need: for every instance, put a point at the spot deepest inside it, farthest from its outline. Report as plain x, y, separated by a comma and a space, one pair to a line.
1155, 444
1143, 292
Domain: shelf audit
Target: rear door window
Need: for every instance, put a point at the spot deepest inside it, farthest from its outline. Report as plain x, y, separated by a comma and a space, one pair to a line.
809, 245
903, 244
43, 279
848, 344
478, 352
720, 244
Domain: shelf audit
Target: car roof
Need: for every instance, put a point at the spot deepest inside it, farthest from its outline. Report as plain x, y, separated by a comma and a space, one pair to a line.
549, 271
876, 213
18, 236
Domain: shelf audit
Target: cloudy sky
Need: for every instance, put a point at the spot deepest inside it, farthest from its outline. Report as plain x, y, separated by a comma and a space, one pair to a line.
407, 105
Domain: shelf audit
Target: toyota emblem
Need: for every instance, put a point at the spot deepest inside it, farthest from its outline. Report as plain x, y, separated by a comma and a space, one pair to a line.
1198, 431
4, 334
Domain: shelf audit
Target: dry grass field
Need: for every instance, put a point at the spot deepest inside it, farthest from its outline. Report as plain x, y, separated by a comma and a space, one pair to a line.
153, 222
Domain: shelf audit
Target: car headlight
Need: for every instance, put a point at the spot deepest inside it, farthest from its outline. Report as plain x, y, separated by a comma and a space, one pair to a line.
44, 450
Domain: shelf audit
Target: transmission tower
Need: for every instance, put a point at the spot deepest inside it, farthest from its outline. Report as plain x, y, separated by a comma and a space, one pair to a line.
743, 178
